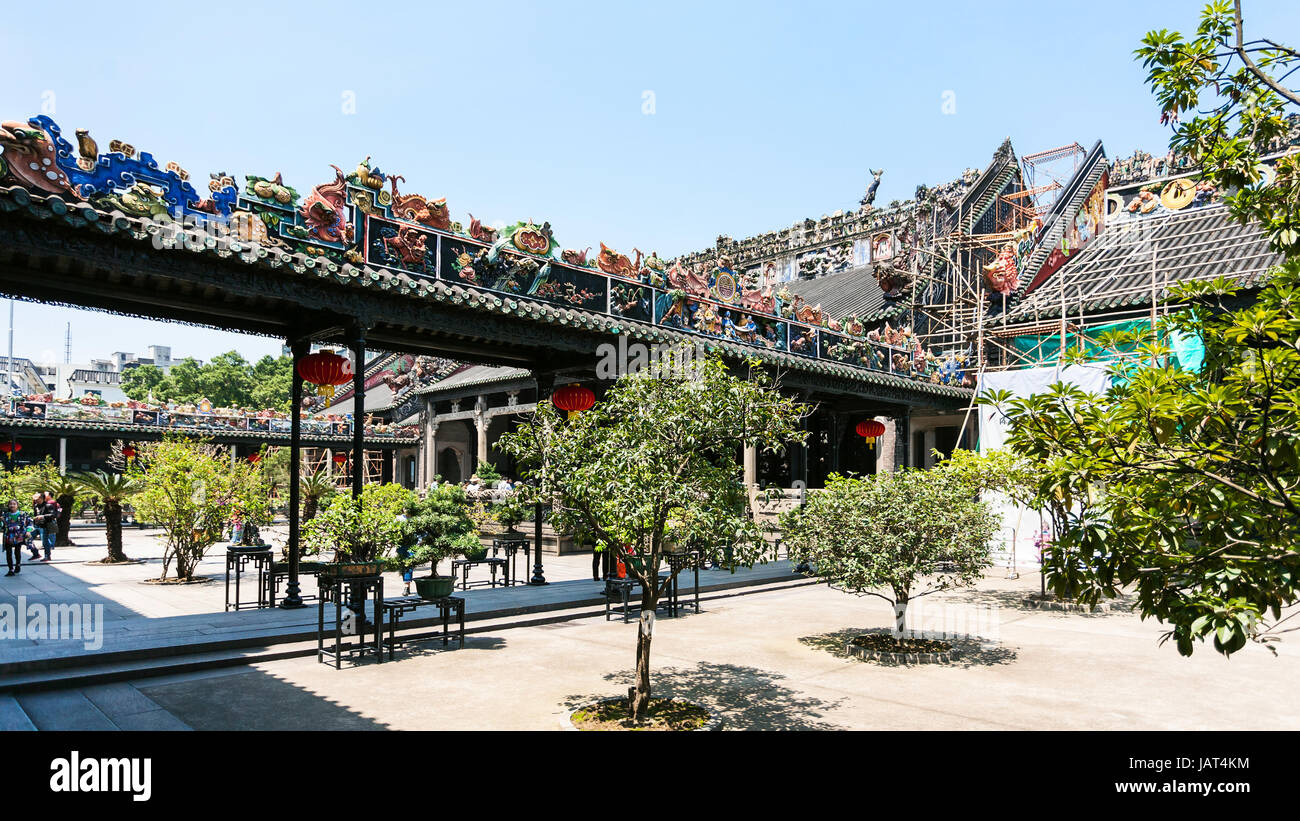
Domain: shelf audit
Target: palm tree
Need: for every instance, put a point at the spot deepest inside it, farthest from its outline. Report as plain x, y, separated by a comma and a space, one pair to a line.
313, 488
112, 489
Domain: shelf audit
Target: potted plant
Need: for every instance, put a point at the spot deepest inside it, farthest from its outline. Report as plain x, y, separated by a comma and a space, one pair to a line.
510, 512
437, 527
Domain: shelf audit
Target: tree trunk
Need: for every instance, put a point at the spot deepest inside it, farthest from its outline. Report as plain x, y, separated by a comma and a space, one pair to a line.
65, 520
113, 529
900, 617
644, 634
309, 508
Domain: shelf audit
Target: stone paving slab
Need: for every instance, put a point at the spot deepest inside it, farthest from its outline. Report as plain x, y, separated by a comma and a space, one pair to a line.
64, 710
12, 717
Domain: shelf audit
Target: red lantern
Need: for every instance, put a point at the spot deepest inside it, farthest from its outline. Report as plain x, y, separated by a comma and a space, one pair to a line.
255, 457
340, 458
869, 429
128, 453
573, 398
10, 447
325, 369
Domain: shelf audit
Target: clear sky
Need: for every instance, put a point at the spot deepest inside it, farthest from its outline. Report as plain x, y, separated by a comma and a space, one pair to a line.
659, 126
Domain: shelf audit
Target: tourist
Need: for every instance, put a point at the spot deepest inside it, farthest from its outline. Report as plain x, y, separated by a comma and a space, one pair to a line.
18, 529
53, 512
38, 521
505, 485
475, 484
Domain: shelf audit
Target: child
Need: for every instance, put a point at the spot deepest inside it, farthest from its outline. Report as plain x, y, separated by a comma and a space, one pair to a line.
17, 534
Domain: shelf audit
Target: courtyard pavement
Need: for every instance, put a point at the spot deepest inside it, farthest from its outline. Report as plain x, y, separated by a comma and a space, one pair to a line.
767, 661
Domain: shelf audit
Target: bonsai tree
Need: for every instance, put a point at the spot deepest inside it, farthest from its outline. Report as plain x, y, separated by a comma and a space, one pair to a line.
910, 532
509, 511
651, 447
364, 529
112, 489
186, 488
438, 527
489, 474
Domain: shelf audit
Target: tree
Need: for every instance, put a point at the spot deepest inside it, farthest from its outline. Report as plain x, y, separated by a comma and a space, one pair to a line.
112, 489
1182, 484
652, 465
187, 489
361, 530
228, 380
438, 527
143, 381
314, 487
898, 531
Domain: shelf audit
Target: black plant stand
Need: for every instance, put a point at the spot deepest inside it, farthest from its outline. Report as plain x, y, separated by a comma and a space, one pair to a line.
238, 558
512, 548
333, 589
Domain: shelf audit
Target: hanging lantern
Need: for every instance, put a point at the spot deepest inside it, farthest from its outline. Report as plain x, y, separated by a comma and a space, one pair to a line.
8, 448
254, 458
128, 453
325, 369
340, 458
869, 429
574, 399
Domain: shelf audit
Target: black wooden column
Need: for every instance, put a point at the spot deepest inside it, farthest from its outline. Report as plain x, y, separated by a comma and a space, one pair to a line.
358, 410
292, 595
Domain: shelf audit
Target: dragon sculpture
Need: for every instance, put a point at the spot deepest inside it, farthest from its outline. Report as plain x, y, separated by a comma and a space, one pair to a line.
325, 210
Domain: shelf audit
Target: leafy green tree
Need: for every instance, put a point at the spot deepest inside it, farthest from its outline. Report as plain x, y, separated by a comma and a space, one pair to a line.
188, 489
112, 489
1184, 485
654, 464
438, 527
228, 380
143, 381
911, 532
361, 530
1235, 87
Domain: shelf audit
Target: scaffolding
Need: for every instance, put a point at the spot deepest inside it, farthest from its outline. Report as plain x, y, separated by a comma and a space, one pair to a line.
1124, 281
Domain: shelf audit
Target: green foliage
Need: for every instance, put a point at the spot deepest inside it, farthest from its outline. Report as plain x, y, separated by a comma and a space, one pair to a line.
361, 530
655, 463
227, 381
1234, 87
897, 530
1184, 485
510, 511
187, 488
112, 490
438, 527
488, 473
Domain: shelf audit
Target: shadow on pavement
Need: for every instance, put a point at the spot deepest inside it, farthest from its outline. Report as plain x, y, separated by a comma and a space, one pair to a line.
747, 698
254, 700
974, 652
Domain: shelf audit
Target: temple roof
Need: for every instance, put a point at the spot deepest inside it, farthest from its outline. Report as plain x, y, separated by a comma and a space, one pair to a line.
1116, 270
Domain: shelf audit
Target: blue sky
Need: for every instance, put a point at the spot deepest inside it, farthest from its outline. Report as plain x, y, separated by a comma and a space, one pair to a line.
763, 113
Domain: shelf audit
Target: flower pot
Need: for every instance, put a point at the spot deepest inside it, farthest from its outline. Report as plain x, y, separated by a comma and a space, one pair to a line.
434, 587
476, 555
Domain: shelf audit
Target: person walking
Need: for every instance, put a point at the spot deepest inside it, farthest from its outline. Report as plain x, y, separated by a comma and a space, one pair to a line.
53, 512
18, 530
38, 521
